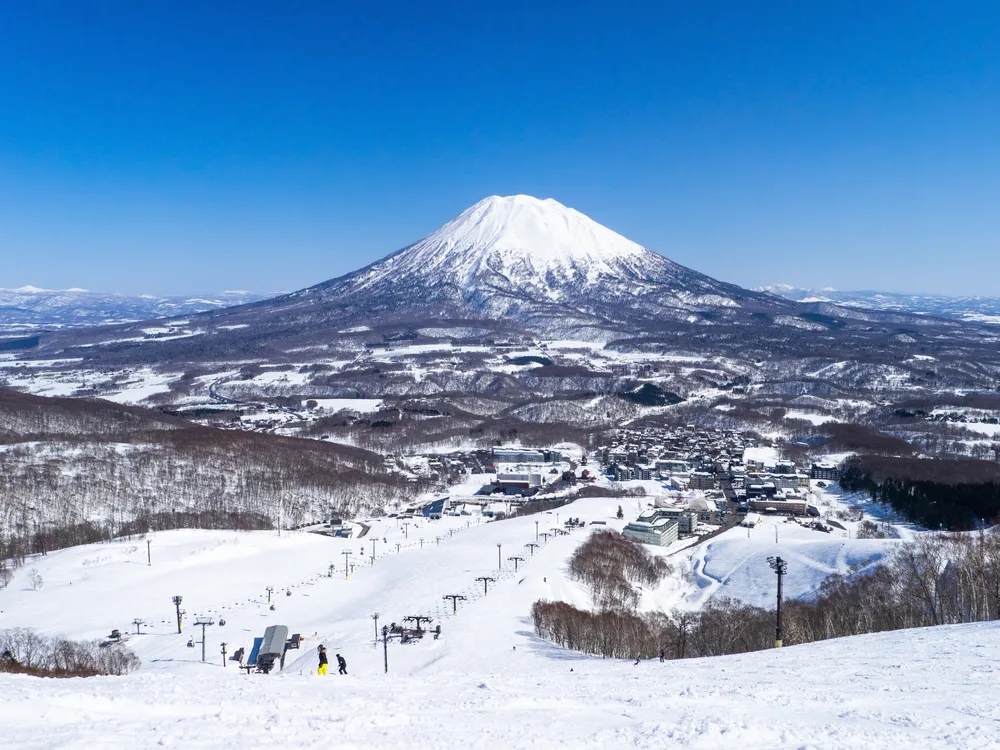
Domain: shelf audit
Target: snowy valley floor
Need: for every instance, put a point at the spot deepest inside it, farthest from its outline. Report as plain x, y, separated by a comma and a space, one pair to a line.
488, 682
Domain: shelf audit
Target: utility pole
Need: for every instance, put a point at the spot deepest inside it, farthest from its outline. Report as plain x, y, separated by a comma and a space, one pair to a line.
177, 603
386, 636
269, 589
545, 536
486, 583
149, 554
347, 556
421, 542
536, 531
397, 548
204, 622
385, 647
406, 530
780, 567
137, 622
373, 550
438, 540
531, 546
499, 559
375, 618
223, 653
516, 561
455, 599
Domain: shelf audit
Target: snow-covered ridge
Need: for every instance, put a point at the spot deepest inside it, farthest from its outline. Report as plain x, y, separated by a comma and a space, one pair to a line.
972, 308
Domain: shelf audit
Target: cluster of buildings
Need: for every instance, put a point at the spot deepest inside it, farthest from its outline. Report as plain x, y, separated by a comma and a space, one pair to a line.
686, 457
713, 466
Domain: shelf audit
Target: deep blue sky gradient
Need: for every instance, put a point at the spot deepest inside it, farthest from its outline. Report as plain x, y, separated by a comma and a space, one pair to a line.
184, 147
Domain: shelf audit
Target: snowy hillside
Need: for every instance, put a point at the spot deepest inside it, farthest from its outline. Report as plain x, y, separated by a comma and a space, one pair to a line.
488, 682
735, 563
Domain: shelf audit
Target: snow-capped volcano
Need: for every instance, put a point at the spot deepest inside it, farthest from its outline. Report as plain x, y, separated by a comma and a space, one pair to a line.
522, 239
519, 256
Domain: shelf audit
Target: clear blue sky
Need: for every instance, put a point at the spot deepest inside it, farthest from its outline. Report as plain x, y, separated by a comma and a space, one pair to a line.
267, 146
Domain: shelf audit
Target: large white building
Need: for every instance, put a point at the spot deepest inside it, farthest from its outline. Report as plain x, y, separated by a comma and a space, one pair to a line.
652, 528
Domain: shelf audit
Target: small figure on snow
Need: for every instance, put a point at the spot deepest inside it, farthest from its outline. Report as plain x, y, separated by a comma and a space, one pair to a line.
637, 660
663, 655
342, 664
322, 660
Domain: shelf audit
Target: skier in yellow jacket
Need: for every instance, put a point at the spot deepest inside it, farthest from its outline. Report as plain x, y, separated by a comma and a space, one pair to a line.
322, 660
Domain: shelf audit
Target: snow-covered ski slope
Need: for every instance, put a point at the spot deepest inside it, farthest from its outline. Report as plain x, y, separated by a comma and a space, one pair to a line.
488, 682
734, 564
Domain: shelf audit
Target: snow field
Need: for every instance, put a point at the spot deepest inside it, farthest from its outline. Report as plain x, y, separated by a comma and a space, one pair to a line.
488, 682
911, 689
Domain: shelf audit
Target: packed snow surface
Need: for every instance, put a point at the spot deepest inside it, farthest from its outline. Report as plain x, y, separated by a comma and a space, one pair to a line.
488, 682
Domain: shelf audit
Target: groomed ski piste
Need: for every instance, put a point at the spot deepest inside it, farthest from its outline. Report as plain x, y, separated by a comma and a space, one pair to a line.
488, 681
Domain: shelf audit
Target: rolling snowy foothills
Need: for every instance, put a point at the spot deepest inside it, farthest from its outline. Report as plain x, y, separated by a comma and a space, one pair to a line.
522, 483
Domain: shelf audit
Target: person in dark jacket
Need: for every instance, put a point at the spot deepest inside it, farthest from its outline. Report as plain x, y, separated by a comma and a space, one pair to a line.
322, 660
342, 664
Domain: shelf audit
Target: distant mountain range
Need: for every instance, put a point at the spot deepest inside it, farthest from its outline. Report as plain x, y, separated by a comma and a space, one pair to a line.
29, 307
972, 308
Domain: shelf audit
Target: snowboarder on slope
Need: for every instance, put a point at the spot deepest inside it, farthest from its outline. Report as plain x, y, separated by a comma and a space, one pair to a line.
322, 660
663, 655
342, 664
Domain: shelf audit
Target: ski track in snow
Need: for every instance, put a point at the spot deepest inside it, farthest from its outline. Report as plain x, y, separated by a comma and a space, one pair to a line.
489, 681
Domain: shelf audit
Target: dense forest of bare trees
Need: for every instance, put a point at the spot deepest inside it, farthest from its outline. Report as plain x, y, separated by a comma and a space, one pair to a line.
74, 470
612, 566
931, 580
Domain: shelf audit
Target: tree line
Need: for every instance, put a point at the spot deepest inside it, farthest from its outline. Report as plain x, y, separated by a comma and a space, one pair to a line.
931, 580
938, 494
25, 651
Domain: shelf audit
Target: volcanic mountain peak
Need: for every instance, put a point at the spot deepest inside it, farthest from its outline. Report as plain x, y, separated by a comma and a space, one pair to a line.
517, 236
